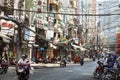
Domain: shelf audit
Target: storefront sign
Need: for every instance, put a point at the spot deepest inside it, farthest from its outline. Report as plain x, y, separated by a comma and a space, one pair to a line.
117, 42
27, 34
7, 27
49, 34
39, 6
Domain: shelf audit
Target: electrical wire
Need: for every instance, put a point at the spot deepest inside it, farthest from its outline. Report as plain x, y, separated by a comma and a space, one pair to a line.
71, 14
67, 13
100, 9
108, 7
25, 26
97, 7
117, 10
110, 28
112, 22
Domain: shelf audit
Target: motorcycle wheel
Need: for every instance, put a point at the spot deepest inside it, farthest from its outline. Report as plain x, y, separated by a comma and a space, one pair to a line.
62, 65
108, 76
5, 71
22, 77
95, 75
82, 62
0, 70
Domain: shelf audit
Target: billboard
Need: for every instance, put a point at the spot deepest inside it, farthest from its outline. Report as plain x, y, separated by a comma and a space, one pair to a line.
7, 27
117, 40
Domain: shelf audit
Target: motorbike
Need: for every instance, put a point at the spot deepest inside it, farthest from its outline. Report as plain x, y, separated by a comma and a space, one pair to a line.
109, 74
4, 67
81, 61
21, 72
93, 58
62, 63
117, 71
98, 71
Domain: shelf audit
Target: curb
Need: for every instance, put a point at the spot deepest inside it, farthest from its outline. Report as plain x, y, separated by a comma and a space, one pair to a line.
40, 66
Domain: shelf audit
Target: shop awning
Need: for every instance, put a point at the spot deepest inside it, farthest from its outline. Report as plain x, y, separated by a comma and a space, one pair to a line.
79, 47
5, 38
53, 46
75, 46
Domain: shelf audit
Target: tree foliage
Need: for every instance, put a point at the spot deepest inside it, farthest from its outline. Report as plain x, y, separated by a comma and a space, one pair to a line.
29, 4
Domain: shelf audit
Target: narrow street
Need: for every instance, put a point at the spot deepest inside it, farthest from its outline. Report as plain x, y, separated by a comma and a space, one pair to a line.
44, 33
71, 72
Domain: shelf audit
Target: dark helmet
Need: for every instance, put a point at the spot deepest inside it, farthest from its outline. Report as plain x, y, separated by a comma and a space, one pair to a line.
99, 62
26, 55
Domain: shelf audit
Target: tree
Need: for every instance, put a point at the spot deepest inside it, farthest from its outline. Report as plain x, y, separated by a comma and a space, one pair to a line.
29, 4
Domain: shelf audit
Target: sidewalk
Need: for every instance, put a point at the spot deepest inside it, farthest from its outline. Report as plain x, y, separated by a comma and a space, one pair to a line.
42, 65
53, 65
49, 65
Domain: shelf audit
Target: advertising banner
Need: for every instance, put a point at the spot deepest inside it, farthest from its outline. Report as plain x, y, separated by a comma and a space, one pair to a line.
7, 27
117, 42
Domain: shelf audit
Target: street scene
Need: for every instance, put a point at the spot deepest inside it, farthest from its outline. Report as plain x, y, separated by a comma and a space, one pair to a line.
71, 72
59, 39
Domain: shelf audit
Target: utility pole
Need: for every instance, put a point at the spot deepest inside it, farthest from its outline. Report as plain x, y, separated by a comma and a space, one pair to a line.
94, 20
19, 50
100, 28
48, 11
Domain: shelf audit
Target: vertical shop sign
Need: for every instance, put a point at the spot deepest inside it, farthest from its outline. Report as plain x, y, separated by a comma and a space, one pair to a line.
117, 43
39, 6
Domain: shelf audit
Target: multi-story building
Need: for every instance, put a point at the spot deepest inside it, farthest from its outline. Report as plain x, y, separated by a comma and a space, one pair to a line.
108, 23
88, 8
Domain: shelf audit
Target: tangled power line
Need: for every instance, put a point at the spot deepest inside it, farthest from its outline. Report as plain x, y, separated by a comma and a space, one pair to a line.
61, 13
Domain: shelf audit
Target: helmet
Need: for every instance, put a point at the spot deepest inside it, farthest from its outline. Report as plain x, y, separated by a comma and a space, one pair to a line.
23, 55
98, 62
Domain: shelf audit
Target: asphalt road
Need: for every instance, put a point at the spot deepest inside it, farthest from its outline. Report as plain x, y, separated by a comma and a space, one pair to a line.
71, 72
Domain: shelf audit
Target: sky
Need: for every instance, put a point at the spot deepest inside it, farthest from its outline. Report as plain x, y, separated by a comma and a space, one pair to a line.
102, 0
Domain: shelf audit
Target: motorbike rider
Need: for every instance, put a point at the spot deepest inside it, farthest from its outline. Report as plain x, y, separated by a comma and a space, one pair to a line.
94, 57
110, 61
100, 64
4, 64
24, 63
81, 59
4, 61
28, 65
63, 61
